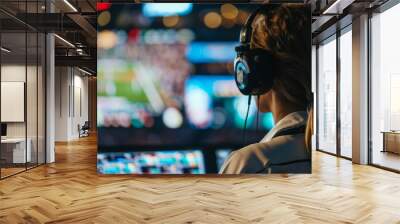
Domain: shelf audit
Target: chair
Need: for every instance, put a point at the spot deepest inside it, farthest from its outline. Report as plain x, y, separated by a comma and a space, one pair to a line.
84, 130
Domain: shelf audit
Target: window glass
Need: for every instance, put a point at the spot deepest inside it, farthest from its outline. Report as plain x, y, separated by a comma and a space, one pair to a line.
385, 88
327, 97
346, 94
15, 148
22, 89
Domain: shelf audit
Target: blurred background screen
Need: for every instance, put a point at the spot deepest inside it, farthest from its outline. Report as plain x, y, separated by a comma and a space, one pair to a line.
165, 81
156, 162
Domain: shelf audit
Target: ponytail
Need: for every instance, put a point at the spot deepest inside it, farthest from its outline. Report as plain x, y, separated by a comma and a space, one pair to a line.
309, 129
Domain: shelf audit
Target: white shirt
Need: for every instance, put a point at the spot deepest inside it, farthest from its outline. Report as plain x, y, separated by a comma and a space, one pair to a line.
281, 154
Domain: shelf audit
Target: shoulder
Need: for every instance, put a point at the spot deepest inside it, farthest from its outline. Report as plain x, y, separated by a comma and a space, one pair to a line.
255, 157
286, 141
246, 160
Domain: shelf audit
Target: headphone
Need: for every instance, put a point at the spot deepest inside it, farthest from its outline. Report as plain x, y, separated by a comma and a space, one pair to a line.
254, 75
253, 68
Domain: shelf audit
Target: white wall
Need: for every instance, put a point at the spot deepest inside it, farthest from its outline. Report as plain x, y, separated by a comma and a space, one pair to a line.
62, 81
71, 102
80, 110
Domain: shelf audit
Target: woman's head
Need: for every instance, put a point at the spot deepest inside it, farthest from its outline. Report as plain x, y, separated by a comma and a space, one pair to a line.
283, 31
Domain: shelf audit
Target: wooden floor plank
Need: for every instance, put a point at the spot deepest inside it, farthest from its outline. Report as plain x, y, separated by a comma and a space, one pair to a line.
70, 191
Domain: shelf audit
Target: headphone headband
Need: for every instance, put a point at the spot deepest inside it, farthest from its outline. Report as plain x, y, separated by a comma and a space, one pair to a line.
247, 30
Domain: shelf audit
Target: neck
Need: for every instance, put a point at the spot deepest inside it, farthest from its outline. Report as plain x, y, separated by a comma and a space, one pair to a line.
281, 109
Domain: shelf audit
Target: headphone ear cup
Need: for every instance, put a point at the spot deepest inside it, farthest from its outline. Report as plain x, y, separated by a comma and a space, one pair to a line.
254, 72
242, 75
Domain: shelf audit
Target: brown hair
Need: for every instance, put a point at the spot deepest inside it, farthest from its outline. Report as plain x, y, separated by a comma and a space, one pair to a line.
285, 31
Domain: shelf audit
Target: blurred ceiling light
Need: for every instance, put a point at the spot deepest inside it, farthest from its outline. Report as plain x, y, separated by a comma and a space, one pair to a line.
70, 5
212, 20
5, 50
164, 9
337, 7
229, 11
79, 51
79, 44
65, 41
104, 18
170, 21
84, 71
106, 39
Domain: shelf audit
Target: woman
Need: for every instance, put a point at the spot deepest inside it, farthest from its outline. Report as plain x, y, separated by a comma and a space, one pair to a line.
283, 31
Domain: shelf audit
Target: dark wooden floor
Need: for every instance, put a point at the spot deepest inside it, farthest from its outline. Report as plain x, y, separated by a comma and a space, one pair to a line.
70, 191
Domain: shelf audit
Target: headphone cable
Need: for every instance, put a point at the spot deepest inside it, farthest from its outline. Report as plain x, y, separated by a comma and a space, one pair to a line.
245, 120
258, 110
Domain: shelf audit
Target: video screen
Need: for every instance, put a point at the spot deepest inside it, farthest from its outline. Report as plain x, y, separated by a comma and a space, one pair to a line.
156, 162
166, 70
213, 102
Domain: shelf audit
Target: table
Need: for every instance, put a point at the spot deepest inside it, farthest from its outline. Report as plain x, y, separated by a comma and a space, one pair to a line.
16, 148
391, 141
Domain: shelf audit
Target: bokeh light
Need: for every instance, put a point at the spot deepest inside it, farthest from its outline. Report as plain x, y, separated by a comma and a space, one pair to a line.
104, 18
172, 118
170, 21
163, 9
102, 6
185, 36
229, 11
133, 35
212, 20
106, 39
